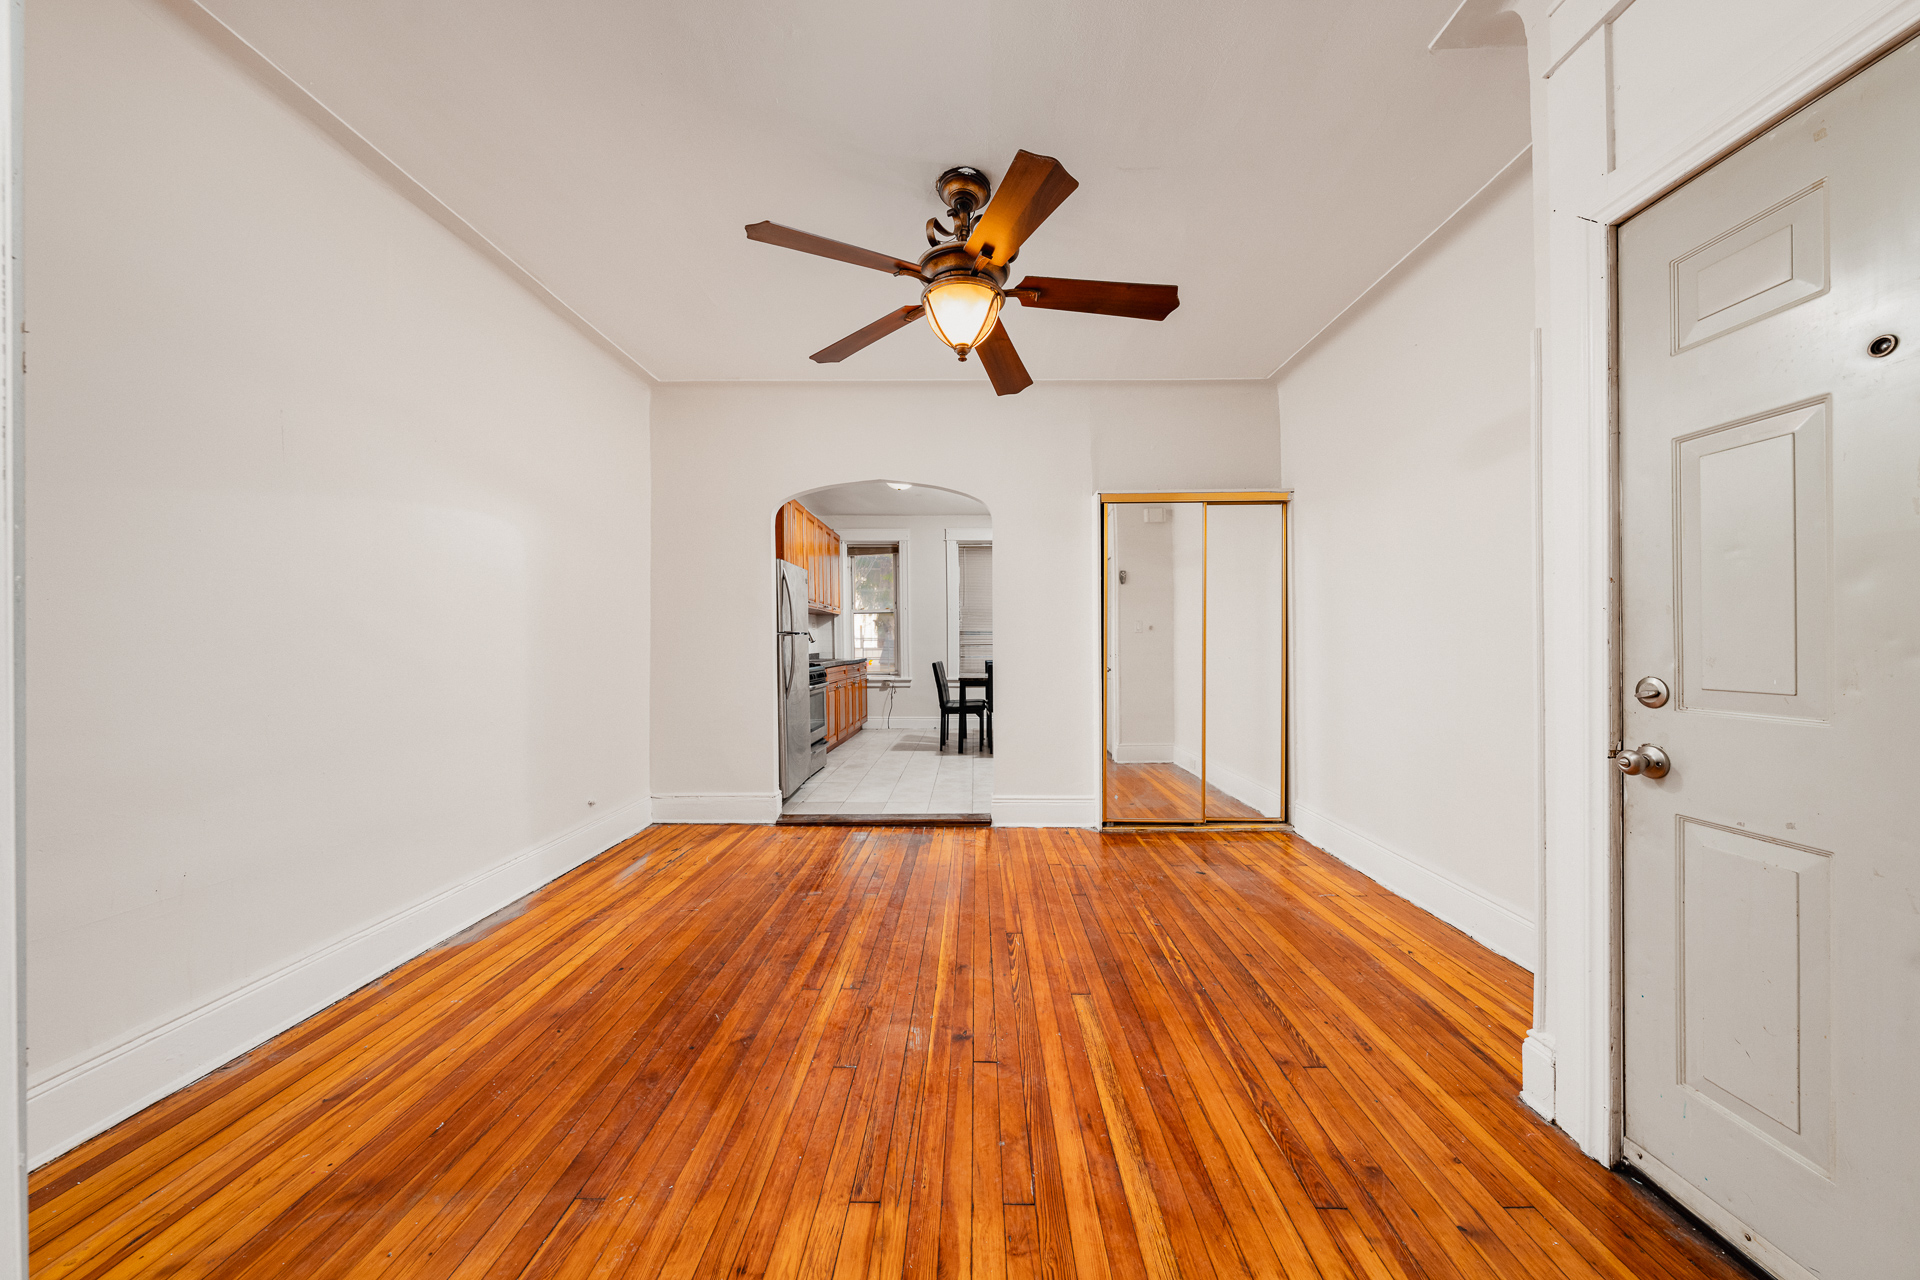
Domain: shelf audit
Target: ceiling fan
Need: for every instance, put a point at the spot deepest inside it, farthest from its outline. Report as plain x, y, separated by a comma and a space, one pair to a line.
964, 274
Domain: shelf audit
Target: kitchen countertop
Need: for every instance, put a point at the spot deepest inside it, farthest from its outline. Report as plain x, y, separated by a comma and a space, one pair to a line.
842, 662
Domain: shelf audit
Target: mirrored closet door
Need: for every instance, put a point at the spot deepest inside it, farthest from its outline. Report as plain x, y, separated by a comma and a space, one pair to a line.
1194, 633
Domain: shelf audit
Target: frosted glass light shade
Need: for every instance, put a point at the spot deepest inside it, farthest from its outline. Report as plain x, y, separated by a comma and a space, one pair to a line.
962, 310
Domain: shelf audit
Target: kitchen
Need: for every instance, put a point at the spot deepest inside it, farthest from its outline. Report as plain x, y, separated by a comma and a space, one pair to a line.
882, 590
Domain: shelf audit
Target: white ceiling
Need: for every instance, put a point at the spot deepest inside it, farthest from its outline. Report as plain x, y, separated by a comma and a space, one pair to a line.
875, 498
1271, 157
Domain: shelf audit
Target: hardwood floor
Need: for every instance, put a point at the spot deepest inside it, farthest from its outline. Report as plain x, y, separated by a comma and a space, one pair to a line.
1166, 793
1002, 1055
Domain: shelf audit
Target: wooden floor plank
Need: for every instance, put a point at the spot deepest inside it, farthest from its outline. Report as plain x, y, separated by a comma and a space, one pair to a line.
858, 1054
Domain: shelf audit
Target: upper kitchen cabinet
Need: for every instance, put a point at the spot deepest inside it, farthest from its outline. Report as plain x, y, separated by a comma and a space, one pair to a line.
800, 537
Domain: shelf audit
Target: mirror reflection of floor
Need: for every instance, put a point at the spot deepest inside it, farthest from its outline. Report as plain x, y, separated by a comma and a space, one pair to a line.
1167, 793
898, 771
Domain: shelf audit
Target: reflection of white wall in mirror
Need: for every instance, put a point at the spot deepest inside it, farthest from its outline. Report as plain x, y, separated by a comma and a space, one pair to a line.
1246, 599
1189, 568
1110, 625
1144, 548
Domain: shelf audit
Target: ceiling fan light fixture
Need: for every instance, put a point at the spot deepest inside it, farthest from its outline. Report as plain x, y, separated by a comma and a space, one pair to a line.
962, 310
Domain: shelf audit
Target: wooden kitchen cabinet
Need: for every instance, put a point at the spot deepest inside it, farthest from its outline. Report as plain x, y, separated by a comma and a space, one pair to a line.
800, 537
846, 702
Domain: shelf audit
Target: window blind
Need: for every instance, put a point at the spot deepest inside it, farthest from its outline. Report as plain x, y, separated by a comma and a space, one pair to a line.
976, 607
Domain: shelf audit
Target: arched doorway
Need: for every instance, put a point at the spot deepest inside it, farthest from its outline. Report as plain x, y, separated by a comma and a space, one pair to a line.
885, 588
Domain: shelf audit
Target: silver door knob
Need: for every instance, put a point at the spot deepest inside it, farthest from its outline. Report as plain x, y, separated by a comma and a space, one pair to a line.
1647, 762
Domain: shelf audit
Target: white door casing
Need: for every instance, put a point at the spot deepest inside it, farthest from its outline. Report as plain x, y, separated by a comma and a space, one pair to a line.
1770, 574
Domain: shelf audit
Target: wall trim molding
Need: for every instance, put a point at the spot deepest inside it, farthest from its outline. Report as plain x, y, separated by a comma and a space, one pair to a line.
1486, 920
717, 806
13, 845
1485, 188
267, 73
78, 1099
883, 722
1824, 68
1244, 788
1144, 753
1046, 811
1536, 1072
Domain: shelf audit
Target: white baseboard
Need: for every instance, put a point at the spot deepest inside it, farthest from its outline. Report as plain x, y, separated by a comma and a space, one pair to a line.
1046, 811
1143, 753
1248, 791
1482, 918
876, 720
1536, 1072
75, 1100
717, 806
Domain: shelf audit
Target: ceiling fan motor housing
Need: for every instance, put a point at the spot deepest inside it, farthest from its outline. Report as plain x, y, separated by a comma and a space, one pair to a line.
963, 183
953, 259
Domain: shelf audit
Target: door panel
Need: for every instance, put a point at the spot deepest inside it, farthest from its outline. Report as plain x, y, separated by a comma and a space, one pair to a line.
1155, 579
1756, 598
1246, 669
1769, 472
1756, 1001
1773, 261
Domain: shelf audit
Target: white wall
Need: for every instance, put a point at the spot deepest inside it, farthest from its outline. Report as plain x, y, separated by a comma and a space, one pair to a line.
338, 580
923, 601
726, 455
1406, 433
1148, 625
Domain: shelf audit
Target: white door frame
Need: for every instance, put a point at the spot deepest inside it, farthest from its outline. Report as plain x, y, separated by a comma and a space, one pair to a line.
1573, 1058
13, 1114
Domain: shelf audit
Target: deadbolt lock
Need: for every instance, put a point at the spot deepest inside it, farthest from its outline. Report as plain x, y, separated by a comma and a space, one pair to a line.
1651, 692
1647, 762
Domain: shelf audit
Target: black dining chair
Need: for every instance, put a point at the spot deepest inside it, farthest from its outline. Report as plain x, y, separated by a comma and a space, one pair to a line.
989, 730
962, 707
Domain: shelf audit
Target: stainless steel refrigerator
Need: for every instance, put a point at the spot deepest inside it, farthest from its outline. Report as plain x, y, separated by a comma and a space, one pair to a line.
792, 646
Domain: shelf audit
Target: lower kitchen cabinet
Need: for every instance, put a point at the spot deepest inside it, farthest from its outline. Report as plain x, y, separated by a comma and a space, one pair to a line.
846, 703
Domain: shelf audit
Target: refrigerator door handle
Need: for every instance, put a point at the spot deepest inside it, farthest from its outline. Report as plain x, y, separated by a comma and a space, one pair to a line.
786, 619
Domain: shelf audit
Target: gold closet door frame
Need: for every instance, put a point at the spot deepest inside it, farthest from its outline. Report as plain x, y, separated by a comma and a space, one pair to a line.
1221, 498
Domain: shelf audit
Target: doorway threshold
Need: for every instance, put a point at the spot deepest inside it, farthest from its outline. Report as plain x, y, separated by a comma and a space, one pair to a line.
1285, 827
884, 820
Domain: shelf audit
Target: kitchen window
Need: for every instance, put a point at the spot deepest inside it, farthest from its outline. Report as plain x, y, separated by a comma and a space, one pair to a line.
874, 568
974, 641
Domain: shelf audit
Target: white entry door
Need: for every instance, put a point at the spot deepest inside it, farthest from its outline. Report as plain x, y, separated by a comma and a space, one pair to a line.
1770, 582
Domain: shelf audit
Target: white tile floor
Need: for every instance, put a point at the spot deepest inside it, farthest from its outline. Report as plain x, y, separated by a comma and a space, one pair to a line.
898, 771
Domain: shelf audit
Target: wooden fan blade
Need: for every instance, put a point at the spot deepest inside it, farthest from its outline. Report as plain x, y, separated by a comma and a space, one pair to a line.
1033, 189
1101, 297
866, 337
806, 242
1008, 374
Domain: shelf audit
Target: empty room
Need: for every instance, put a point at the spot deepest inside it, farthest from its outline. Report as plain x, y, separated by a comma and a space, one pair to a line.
1066, 641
